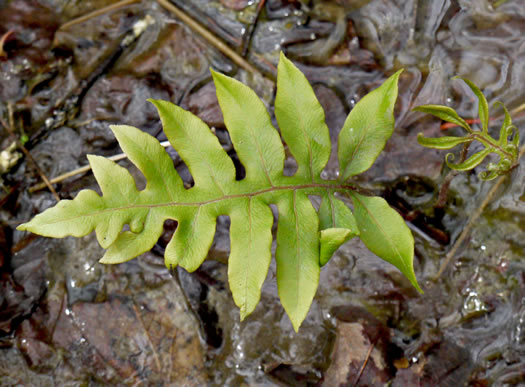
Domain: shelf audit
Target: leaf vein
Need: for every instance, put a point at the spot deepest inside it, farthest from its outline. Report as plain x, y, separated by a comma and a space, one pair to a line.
392, 245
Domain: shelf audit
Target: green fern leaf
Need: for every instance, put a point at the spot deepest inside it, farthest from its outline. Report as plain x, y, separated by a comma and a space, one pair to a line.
306, 239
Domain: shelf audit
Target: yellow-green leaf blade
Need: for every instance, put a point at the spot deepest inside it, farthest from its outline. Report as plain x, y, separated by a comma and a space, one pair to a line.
129, 245
297, 255
483, 106
445, 142
301, 120
385, 233
251, 242
334, 215
67, 217
331, 239
118, 187
367, 129
254, 138
151, 159
212, 169
470, 163
445, 113
193, 237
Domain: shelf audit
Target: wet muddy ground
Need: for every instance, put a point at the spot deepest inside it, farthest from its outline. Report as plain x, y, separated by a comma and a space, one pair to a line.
65, 319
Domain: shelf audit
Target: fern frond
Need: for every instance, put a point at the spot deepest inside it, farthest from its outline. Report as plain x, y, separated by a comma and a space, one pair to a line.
306, 239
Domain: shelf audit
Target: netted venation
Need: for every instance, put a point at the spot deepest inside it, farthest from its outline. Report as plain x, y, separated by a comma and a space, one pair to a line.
250, 256
129, 245
68, 217
110, 223
301, 120
256, 141
297, 254
367, 129
337, 225
193, 237
385, 233
306, 238
333, 213
162, 181
210, 166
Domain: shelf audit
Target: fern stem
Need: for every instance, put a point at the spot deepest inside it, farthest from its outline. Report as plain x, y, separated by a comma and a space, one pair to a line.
490, 142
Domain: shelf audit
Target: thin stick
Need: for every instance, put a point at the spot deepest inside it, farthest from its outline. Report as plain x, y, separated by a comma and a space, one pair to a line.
472, 220
442, 196
248, 37
11, 129
365, 362
212, 39
97, 12
3, 40
83, 169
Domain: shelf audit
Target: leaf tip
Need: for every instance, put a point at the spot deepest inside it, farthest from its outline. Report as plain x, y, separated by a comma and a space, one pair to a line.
284, 59
218, 78
296, 325
413, 281
23, 226
243, 313
155, 102
104, 260
398, 73
111, 257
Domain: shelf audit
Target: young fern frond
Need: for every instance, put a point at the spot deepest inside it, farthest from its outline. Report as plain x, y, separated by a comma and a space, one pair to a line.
306, 239
505, 149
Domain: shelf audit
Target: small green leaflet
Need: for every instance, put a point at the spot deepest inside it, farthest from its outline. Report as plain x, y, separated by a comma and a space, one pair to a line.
306, 238
507, 151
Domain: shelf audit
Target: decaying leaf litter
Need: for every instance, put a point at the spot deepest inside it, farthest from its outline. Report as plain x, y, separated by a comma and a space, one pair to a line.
128, 86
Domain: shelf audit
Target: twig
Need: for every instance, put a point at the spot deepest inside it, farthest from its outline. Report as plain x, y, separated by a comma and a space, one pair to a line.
365, 362
450, 255
11, 129
212, 39
98, 12
83, 169
3, 40
442, 197
249, 34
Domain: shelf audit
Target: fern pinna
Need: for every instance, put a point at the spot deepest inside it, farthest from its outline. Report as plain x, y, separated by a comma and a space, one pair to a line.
306, 238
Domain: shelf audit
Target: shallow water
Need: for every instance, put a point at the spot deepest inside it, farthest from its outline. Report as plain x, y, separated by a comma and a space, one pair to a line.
66, 319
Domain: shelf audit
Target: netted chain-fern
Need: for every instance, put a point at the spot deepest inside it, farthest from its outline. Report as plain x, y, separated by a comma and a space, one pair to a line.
306, 238
506, 147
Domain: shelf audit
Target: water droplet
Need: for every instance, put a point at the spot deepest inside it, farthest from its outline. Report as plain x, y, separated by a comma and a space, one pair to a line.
48, 122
